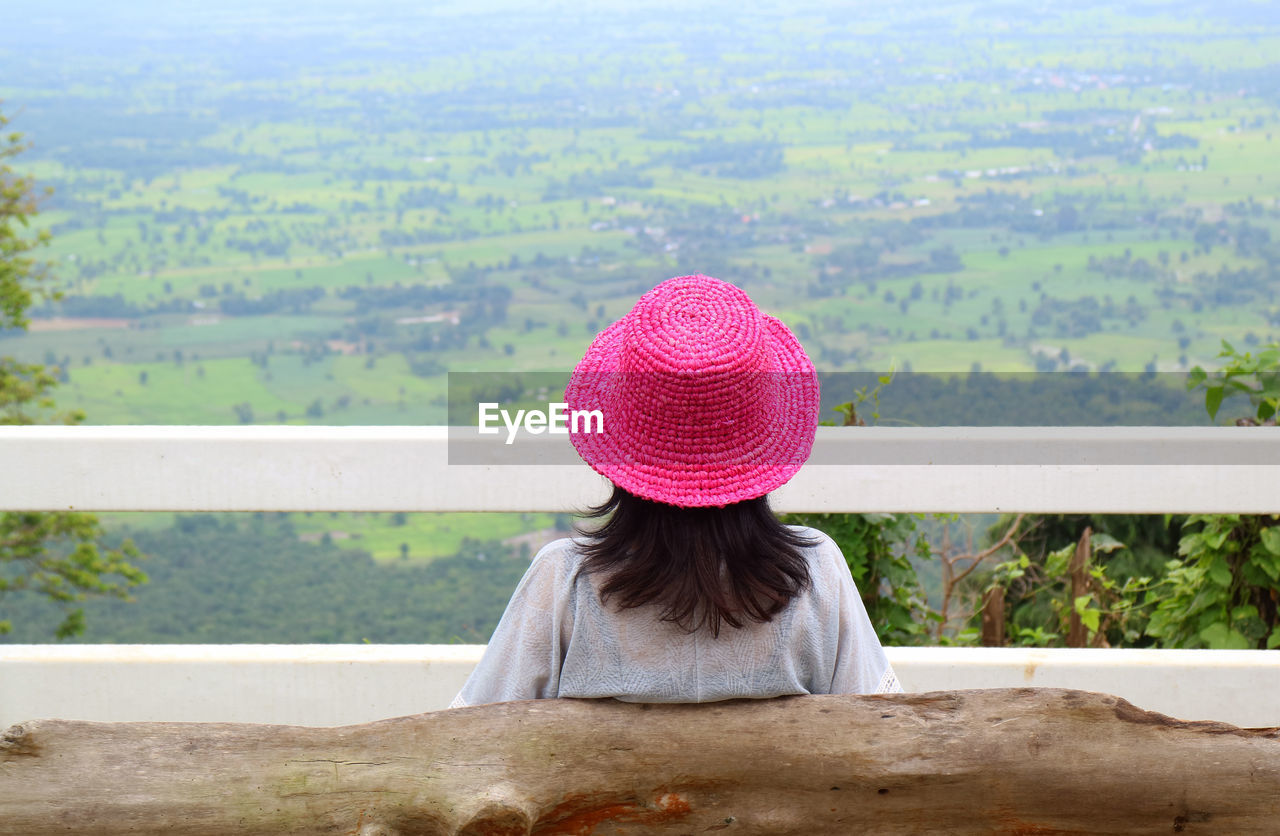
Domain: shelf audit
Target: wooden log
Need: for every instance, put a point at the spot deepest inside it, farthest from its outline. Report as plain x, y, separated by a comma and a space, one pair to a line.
1010, 761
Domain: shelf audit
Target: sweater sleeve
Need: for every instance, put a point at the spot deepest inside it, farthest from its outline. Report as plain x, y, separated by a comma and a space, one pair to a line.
861, 664
523, 658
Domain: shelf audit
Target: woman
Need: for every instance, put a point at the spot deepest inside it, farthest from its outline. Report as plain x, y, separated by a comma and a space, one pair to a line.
691, 590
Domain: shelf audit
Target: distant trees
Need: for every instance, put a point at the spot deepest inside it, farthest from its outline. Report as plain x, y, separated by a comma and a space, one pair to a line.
114, 307
292, 300
592, 183
249, 578
417, 295
261, 246
945, 259
745, 159
1083, 316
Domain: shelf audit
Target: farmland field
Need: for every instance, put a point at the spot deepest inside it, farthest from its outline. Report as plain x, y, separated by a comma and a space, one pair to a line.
940, 187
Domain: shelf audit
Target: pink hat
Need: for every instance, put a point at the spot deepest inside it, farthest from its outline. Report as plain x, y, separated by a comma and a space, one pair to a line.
705, 400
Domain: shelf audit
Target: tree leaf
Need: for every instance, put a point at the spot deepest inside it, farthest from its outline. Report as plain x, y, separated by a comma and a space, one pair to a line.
1243, 612
1213, 400
1221, 637
1220, 572
1103, 542
1271, 539
1214, 540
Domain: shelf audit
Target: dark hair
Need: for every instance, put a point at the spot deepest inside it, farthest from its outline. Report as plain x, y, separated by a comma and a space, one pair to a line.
702, 566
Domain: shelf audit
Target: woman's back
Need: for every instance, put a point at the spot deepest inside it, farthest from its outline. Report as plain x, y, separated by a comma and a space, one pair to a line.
690, 590
559, 639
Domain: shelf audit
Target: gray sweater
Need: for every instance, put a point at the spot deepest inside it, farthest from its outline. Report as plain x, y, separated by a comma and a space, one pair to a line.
556, 639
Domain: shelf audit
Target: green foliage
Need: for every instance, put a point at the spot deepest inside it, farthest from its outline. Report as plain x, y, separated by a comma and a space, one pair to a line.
25, 394
1220, 591
1223, 593
1112, 610
1256, 377
249, 578
862, 395
56, 555
878, 549
21, 277
1128, 555
23, 386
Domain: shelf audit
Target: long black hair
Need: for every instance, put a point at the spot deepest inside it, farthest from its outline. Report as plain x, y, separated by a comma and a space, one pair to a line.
701, 566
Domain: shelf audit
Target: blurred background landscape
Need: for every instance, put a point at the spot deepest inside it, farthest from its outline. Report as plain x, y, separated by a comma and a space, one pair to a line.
280, 213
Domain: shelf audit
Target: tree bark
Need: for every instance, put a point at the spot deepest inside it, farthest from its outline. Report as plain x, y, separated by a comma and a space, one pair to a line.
955, 762
993, 617
1077, 635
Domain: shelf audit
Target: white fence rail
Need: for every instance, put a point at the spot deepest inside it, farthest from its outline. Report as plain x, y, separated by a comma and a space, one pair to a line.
1056, 469
330, 685
965, 469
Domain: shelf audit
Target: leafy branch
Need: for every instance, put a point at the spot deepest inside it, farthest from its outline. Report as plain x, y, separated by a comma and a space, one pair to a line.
56, 555
1256, 377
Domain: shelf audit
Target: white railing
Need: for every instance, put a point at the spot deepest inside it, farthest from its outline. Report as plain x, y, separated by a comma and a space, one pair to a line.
1063, 469
332, 685
963, 469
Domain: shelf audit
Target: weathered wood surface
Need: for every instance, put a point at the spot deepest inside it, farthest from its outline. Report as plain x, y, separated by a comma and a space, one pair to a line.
1011, 761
